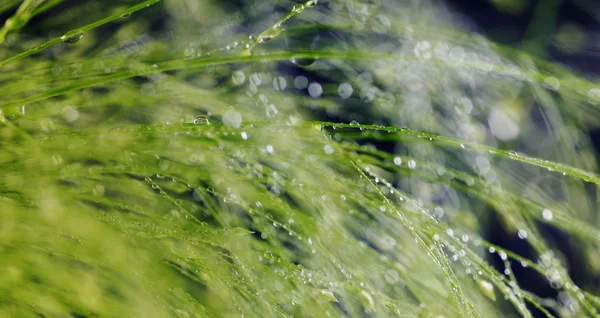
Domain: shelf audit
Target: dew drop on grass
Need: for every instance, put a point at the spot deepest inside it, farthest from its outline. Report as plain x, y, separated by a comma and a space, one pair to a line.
439, 211
328, 149
303, 61
397, 161
270, 149
522, 234
312, 3
423, 50
465, 104
345, 90
327, 295
271, 111
279, 83
57, 159
315, 90
487, 288
265, 39
238, 77
201, 120
367, 300
69, 113
547, 214
256, 79
300, 82
367, 94
364, 79
298, 8
71, 39
594, 95
126, 15
232, 119
412, 164
552, 83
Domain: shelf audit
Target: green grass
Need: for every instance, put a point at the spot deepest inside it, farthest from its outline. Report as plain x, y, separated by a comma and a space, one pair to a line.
183, 170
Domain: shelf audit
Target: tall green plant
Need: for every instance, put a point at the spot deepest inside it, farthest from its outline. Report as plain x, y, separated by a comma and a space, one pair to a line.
157, 161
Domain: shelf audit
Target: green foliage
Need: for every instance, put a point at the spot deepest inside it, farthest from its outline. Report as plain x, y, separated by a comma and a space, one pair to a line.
183, 170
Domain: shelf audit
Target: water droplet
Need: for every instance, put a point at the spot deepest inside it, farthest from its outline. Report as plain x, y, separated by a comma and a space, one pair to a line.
397, 161
513, 153
126, 15
244, 135
69, 113
487, 288
522, 234
300, 82
201, 120
312, 3
256, 79
270, 149
71, 39
465, 104
594, 95
327, 295
315, 90
367, 94
303, 61
367, 300
328, 149
412, 164
345, 90
423, 50
547, 214
238, 77
298, 8
279, 83
271, 111
552, 83
232, 119
265, 39
57, 159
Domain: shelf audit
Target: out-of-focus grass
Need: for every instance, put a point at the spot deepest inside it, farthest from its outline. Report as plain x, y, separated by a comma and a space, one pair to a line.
157, 161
